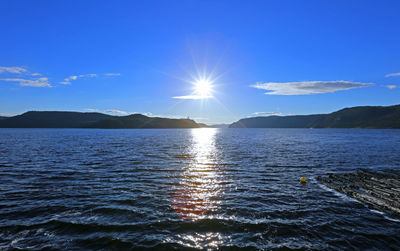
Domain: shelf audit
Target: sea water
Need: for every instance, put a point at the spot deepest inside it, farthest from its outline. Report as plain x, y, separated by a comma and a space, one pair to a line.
75, 189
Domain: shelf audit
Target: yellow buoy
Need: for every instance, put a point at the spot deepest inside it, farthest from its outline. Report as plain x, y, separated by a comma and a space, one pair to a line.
303, 180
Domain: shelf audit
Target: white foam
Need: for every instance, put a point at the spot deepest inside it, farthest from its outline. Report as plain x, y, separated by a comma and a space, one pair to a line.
391, 219
384, 215
340, 195
343, 196
376, 211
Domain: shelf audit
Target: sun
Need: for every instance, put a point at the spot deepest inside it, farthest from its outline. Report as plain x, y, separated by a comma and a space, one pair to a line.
203, 87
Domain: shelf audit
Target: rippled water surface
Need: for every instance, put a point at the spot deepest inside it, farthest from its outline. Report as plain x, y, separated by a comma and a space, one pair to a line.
194, 188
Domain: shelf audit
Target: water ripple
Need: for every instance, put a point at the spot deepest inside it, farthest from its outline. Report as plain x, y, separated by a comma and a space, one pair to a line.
222, 189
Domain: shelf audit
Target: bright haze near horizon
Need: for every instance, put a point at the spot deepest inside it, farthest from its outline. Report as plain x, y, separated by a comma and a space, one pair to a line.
212, 61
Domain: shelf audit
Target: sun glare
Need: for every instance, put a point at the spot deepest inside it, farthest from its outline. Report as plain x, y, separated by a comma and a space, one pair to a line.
203, 87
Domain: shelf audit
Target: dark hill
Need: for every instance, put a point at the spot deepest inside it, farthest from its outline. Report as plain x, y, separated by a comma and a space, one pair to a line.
44, 119
362, 117
356, 117
141, 121
299, 121
35, 119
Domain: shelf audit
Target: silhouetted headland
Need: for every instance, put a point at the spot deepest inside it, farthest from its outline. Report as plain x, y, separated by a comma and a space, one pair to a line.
355, 117
49, 119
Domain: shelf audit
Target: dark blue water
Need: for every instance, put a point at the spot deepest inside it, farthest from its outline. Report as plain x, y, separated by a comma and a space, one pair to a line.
202, 188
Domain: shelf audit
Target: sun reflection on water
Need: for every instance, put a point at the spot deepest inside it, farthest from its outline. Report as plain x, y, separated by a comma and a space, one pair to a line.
199, 189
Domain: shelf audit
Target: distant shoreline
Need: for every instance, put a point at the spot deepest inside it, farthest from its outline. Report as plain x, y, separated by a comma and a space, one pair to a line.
361, 117
227, 128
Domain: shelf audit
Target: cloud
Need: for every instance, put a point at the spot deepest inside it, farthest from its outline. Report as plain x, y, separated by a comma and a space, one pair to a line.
15, 70
67, 81
112, 74
91, 110
267, 114
91, 75
28, 81
117, 112
193, 97
392, 74
171, 116
391, 87
307, 87
112, 111
71, 78
40, 82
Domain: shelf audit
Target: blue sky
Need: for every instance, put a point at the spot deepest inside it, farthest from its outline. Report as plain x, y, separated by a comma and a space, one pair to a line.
122, 57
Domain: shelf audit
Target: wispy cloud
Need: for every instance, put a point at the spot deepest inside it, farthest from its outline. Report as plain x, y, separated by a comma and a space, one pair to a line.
119, 112
193, 97
40, 82
308, 87
28, 79
267, 114
67, 81
91, 75
391, 87
71, 78
171, 116
392, 74
111, 111
13, 69
91, 110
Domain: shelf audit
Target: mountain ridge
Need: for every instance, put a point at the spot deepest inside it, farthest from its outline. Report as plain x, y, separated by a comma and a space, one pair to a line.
67, 119
352, 117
